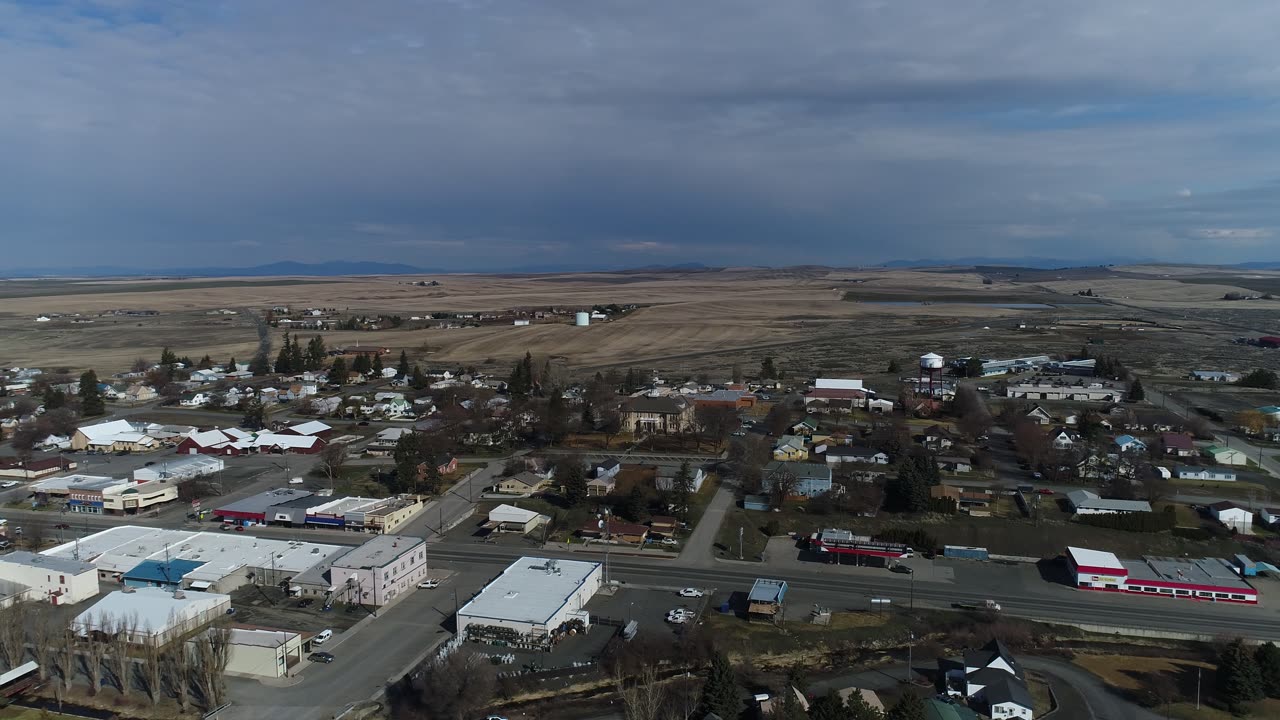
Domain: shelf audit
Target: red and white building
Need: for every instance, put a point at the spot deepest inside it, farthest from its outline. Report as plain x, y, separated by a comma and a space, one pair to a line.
231, 441
843, 542
311, 428
1212, 579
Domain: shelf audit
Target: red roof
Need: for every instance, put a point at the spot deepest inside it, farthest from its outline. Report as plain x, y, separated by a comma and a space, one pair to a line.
1178, 441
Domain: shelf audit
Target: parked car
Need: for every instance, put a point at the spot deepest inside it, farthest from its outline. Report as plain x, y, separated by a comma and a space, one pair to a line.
321, 657
62, 526
669, 541
225, 527
691, 592
9, 484
322, 636
903, 569
239, 528
1047, 491
149, 463
429, 583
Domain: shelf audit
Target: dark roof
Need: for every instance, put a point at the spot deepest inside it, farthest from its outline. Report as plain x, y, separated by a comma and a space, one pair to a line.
992, 651
528, 478
662, 405
302, 502
609, 463
1178, 440
1225, 505
1008, 689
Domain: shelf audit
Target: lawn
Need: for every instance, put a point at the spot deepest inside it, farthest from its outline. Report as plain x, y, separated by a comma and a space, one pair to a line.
759, 638
354, 480
1133, 676
753, 539
1240, 489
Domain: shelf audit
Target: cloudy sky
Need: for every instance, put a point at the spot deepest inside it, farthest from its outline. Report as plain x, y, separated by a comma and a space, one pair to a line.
466, 134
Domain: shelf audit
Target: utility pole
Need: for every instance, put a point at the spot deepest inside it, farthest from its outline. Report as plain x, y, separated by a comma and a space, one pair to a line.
913, 591
911, 646
1198, 671
740, 543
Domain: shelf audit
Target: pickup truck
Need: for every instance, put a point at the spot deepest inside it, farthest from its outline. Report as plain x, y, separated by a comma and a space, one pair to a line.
991, 605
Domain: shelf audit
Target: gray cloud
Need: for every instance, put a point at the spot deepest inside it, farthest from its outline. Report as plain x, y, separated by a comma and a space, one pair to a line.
452, 133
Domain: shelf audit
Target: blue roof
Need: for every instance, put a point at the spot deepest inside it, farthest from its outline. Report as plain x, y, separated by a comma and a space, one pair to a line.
768, 591
1126, 439
1269, 410
159, 571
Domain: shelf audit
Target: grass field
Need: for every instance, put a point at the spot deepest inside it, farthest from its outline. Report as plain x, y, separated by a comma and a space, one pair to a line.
1134, 677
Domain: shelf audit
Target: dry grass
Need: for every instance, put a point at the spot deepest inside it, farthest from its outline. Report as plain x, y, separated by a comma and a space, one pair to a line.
1126, 672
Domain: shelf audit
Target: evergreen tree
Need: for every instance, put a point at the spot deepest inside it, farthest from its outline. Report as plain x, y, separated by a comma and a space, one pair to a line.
206, 362
419, 381
521, 382
908, 707
736, 373
260, 364
720, 692
91, 402
54, 399
556, 420
376, 365
829, 707
231, 364
857, 708
167, 357
973, 367
255, 416
909, 490
361, 364
572, 477
767, 369
682, 488
588, 417
1240, 680
338, 371
187, 362
632, 504
632, 381
1268, 658
789, 708
894, 367
297, 360
284, 359
402, 370
315, 355
1136, 393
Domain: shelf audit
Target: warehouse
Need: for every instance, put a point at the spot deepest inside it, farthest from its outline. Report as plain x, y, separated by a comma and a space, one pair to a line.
254, 509
1087, 502
259, 652
1212, 579
155, 616
61, 581
180, 468
532, 604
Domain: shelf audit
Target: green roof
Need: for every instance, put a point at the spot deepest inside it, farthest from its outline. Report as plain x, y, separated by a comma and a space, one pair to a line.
1215, 449
938, 710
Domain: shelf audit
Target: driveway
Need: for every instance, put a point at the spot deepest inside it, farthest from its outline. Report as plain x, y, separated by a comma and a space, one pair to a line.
697, 549
1102, 704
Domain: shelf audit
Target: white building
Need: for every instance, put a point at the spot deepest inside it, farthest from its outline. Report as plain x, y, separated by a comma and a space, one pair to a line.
1086, 502
156, 616
180, 467
838, 384
509, 518
112, 436
263, 653
1056, 389
61, 581
534, 597
1232, 515
378, 571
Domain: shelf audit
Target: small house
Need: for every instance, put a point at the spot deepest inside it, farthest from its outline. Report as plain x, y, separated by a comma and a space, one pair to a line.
1129, 444
522, 483
1177, 444
1206, 474
1232, 516
606, 468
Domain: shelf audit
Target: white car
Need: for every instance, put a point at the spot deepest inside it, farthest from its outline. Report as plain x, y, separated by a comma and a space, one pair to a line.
670, 541
9, 484
429, 584
691, 592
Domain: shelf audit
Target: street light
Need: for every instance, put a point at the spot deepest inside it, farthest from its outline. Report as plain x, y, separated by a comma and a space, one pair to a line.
911, 639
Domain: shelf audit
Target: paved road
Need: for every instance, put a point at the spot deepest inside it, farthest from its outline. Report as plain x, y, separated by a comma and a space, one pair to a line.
1262, 456
697, 548
1102, 704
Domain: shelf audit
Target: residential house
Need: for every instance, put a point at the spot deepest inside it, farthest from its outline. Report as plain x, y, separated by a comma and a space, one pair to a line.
1225, 455
601, 485
384, 443
205, 376
1205, 474
954, 463
522, 483
194, 401
790, 447
1062, 439
1232, 515
806, 427
606, 468
649, 414
963, 497
140, 393
938, 438
1129, 444
663, 526
1177, 444
1040, 416
1269, 515
666, 478
811, 479
993, 679
836, 455
445, 467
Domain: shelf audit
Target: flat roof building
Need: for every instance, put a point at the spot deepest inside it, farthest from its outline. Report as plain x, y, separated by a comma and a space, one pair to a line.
254, 508
379, 570
180, 467
532, 603
61, 581
263, 652
156, 616
1202, 579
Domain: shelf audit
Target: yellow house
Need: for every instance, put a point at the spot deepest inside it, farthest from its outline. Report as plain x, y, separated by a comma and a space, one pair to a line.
522, 483
790, 447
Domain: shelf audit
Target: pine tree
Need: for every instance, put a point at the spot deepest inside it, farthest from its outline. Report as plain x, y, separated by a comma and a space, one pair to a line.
789, 708
338, 371
908, 707
53, 399
588, 417
720, 692
1268, 658
556, 420
1136, 392
361, 364
572, 477
206, 362
284, 358
255, 416
857, 708
767, 369
829, 707
167, 357
90, 396
313, 359
894, 367
402, 370
1239, 678
419, 381
376, 365
736, 373
260, 364
231, 364
682, 488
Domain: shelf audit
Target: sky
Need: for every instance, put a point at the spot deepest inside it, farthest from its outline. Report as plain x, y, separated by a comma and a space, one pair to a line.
474, 134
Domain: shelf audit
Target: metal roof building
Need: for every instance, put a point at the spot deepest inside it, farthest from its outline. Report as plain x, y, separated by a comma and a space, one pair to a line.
531, 600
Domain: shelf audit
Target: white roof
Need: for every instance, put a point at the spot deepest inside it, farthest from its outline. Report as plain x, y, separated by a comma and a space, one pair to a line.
393, 434
106, 429
310, 427
260, 638
284, 441
121, 548
528, 591
237, 433
511, 514
1094, 558
209, 438
69, 483
155, 610
838, 384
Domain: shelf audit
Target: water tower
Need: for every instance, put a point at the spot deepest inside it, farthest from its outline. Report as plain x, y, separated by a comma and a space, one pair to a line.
582, 319
931, 368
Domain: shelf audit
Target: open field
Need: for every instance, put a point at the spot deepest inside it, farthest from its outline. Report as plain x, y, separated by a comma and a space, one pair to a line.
685, 323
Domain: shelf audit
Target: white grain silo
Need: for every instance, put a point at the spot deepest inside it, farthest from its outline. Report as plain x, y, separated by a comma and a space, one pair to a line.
931, 367
582, 319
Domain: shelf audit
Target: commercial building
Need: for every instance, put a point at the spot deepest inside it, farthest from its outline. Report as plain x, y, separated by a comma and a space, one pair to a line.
1225, 455
532, 604
1087, 502
843, 542
261, 652
509, 518
112, 437
61, 581
154, 616
376, 572
97, 495
766, 600
1040, 388
256, 508
231, 441
163, 574
228, 560
12, 467
648, 414
180, 468
1212, 579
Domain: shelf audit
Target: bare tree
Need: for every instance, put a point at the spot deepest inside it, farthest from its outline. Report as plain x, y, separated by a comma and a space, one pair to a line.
97, 642
119, 663
642, 697
610, 424
42, 633
455, 687
212, 650
332, 459
68, 658
13, 634
151, 672
176, 672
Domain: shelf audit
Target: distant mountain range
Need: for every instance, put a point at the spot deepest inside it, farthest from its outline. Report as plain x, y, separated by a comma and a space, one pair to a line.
1039, 263
334, 268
